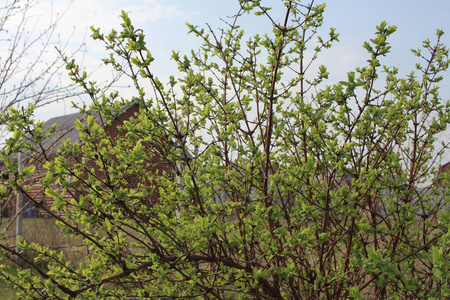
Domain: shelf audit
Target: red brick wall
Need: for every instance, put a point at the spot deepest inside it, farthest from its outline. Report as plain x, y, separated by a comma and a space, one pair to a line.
156, 164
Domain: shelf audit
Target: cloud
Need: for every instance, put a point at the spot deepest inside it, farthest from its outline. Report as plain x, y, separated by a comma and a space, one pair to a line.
81, 14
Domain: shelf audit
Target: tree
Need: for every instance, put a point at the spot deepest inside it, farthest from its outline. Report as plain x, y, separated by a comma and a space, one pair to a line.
29, 73
279, 187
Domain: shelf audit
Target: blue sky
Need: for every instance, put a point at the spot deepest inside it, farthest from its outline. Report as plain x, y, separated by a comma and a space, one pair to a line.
163, 21
416, 20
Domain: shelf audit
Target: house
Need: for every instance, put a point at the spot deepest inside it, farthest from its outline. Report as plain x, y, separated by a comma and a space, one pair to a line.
48, 149
443, 170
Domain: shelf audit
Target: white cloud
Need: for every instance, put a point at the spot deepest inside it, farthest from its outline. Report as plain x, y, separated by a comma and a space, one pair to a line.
81, 14
72, 30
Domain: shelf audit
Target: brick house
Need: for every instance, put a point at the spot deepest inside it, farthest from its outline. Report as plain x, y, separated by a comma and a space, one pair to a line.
65, 129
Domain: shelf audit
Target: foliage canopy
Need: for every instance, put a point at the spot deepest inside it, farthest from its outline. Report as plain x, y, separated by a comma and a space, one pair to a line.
277, 186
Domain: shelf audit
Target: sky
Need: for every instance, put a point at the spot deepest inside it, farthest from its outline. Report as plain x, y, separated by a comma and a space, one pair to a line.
164, 23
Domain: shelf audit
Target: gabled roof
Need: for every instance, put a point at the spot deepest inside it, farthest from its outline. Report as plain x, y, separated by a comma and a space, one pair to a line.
65, 128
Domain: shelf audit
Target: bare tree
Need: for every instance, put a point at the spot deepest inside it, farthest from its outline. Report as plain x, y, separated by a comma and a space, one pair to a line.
31, 70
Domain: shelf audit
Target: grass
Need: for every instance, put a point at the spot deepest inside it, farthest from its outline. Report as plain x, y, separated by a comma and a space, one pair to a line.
43, 231
6, 293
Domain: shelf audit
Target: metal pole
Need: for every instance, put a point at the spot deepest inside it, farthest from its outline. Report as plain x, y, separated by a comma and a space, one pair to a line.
19, 204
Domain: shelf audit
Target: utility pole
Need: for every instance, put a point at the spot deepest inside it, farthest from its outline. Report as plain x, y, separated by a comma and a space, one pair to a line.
19, 205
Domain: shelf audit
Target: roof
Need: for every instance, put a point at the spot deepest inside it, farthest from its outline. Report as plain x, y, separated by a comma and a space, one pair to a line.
65, 128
